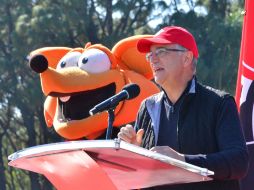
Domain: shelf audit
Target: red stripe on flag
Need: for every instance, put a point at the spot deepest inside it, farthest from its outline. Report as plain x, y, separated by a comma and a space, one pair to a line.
246, 61
245, 88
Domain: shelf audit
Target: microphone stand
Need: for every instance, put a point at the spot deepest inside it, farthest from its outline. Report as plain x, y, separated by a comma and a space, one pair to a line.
111, 118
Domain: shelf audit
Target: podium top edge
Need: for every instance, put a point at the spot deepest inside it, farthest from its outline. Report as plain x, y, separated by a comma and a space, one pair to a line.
63, 146
95, 144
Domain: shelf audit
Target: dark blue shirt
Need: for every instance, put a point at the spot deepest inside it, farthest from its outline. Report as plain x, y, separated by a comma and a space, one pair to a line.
168, 121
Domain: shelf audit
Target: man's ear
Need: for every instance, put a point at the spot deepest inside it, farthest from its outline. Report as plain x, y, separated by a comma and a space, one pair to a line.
188, 58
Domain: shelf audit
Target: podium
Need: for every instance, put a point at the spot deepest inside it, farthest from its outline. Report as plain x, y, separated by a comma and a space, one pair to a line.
105, 164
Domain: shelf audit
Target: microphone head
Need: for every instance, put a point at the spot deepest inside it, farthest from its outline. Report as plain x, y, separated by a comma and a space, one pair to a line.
132, 90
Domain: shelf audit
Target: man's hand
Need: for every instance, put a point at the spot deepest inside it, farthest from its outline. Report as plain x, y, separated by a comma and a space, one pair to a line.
129, 135
166, 150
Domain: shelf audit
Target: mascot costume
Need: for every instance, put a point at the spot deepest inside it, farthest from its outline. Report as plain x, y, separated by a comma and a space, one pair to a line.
74, 80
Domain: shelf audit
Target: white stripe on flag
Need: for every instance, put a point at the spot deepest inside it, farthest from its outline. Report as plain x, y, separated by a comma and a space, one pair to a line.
250, 142
248, 67
245, 82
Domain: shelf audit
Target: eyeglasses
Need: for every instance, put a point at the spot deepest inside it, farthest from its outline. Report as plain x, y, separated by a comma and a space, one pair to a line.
160, 52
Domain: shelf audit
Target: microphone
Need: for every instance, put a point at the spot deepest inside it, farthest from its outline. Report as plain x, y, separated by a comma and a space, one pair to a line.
128, 92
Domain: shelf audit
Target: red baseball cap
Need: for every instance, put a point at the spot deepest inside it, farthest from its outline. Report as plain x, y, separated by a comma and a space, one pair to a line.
170, 35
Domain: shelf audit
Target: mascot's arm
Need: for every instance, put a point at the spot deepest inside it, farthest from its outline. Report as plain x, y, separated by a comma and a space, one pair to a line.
129, 58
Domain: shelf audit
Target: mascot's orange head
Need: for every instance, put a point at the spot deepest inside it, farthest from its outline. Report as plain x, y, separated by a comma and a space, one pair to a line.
74, 80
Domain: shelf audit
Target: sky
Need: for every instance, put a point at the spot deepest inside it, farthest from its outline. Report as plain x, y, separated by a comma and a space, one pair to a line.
183, 6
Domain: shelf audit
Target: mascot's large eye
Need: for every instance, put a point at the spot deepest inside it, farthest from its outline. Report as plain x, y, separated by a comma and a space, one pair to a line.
84, 60
62, 64
69, 60
94, 61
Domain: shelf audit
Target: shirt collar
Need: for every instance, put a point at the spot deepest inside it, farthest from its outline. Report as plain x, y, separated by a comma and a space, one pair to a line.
190, 89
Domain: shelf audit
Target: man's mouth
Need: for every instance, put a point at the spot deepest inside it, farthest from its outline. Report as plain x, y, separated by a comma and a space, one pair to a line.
76, 106
157, 69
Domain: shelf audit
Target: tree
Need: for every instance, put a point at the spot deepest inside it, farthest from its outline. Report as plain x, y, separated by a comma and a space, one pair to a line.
26, 25
29, 24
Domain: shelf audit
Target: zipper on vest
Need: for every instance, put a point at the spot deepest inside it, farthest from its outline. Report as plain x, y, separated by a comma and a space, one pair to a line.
177, 125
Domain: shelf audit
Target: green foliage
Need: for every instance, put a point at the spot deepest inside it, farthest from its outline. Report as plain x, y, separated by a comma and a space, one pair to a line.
26, 25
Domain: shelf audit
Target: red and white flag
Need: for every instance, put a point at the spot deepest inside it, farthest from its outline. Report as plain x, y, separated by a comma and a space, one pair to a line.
245, 80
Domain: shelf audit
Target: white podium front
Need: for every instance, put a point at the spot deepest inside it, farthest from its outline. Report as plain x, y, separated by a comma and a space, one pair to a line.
105, 164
